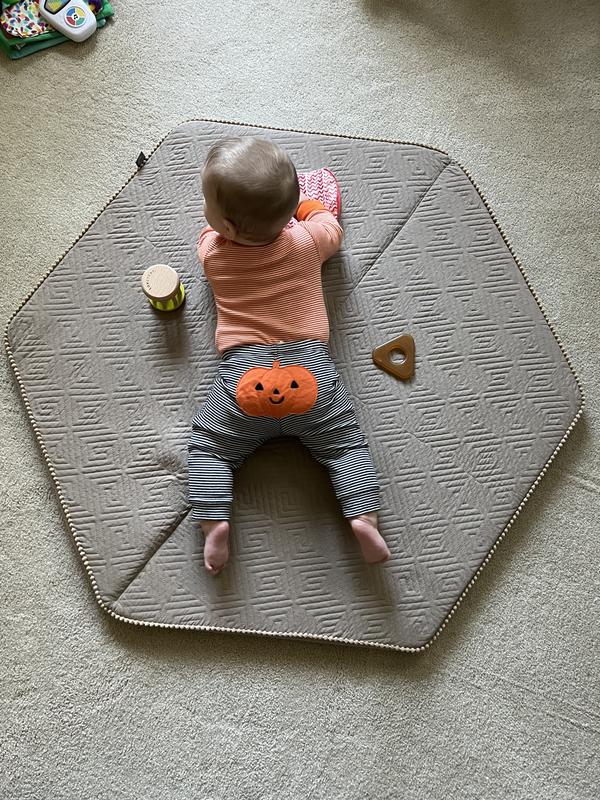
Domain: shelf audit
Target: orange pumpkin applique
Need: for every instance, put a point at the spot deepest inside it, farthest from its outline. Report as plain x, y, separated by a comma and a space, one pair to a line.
276, 391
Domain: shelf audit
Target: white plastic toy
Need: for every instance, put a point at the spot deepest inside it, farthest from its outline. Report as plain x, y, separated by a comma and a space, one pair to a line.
73, 18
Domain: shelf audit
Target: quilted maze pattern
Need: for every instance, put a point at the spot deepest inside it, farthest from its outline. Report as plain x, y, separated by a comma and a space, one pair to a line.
113, 386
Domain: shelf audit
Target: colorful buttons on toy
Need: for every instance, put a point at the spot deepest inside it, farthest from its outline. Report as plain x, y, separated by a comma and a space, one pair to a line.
75, 16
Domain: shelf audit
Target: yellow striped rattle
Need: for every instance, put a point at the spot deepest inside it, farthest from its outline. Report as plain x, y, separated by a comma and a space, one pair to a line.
162, 287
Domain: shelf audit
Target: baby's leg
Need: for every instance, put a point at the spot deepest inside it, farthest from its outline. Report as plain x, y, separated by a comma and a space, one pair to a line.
211, 496
216, 544
372, 544
222, 437
337, 442
354, 481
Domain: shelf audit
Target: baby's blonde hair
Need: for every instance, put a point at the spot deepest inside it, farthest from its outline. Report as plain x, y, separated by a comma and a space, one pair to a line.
255, 185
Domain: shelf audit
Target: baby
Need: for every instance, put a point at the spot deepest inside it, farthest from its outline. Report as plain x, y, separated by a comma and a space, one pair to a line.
275, 377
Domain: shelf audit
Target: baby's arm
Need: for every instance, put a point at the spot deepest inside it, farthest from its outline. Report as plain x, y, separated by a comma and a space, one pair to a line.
206, 238
322, 226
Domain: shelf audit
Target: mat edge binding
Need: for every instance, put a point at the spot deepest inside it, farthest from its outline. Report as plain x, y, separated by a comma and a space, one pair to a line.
288, 634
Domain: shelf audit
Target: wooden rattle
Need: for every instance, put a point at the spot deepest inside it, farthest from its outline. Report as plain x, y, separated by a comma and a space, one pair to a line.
162, 287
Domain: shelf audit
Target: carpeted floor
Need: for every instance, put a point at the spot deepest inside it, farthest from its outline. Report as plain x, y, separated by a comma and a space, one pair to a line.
505, 705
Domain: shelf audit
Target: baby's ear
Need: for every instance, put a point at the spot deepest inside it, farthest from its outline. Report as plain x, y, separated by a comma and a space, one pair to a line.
230, 229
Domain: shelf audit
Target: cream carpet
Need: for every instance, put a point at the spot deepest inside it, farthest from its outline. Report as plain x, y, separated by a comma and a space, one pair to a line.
505, 704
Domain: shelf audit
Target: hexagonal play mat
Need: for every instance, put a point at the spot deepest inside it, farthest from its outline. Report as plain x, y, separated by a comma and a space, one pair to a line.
111, 386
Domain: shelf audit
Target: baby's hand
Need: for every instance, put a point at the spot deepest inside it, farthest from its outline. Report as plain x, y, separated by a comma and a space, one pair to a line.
303, 197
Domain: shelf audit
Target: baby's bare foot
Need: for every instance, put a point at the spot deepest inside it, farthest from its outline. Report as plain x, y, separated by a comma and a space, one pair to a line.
216, 544
372, 544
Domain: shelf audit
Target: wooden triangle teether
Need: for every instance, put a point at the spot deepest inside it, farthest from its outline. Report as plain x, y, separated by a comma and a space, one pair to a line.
403, 344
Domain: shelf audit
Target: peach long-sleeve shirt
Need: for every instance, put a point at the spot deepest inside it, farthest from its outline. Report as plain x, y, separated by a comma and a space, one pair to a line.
271, 293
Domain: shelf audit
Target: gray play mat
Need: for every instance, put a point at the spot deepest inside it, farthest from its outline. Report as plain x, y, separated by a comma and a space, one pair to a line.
111, 386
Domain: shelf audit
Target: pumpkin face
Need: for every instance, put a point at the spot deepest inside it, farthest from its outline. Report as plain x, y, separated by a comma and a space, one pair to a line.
276, 391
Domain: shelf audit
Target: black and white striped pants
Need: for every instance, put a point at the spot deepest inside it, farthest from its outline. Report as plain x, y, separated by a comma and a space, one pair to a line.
224, 435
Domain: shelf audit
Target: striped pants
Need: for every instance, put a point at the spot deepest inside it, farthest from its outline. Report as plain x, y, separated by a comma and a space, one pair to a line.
247, 406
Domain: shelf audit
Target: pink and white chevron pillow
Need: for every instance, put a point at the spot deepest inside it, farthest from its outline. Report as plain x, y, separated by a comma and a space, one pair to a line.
320, 184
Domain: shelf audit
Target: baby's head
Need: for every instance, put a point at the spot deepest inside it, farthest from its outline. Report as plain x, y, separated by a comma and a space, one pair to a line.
250, 189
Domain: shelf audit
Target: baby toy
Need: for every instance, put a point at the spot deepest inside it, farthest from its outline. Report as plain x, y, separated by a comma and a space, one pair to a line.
162, 287
405, 345
23, 29
73, 18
